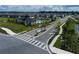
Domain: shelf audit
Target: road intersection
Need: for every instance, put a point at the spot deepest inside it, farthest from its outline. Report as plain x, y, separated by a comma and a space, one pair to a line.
30, 44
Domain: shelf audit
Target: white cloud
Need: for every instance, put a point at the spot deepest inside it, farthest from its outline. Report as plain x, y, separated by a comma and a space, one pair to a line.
38, 8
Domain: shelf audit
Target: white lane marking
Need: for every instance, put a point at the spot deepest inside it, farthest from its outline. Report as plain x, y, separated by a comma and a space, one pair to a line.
35, 42
42, 44
38, 43
31, 41
28, 40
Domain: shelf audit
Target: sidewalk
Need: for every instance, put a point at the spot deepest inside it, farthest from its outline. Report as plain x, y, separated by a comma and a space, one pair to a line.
56, 37
8, 31
57, 50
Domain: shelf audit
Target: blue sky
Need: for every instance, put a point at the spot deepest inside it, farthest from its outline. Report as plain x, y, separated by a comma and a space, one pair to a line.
36, 8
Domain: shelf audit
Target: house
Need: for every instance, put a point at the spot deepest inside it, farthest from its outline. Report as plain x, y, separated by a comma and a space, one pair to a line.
29, 21
26, 20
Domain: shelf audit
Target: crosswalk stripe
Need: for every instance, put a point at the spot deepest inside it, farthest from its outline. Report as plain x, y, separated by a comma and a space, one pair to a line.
37, 43
30, 39
33, 41
42, 44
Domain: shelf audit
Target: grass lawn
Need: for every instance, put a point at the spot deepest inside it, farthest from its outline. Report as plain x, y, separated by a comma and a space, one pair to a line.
58, 43
2, 31
17, 27
69, 26
70, 38
13, 26
3, 19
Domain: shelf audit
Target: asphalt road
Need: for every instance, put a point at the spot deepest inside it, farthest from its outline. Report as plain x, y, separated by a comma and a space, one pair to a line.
44, 38
11, 45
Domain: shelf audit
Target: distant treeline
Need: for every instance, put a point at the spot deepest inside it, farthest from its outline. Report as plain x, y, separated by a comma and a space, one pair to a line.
40, 12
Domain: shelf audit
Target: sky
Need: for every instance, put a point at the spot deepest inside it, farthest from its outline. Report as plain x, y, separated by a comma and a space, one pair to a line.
37, 8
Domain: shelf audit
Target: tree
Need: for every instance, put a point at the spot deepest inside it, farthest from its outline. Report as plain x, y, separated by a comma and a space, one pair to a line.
70, 38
